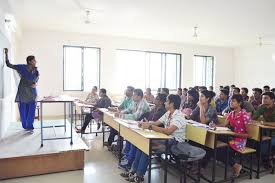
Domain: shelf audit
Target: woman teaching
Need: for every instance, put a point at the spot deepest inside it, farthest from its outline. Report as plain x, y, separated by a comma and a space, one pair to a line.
26, 93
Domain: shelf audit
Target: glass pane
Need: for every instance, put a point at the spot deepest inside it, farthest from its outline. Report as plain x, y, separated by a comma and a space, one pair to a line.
199, 71
171, 71
209, 71
130, 69
72, 68
155, 71
91, 68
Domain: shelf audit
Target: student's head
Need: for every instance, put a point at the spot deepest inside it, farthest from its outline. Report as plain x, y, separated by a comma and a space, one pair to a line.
210, 88
165, 91
138, 95
257, 92
232, 87
31, 60
273, 90
184, 91
220, 87
148, 91
102, 92
266, 88
193, 96
226, 88
202, 88
94, 89
223, 94
196, 88
179, 91
205, 97
129, 91
236, 101
172, 102
236, 91
268, 98
244, 92
160, 100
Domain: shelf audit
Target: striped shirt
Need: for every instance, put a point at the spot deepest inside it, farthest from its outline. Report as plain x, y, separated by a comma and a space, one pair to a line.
136, 110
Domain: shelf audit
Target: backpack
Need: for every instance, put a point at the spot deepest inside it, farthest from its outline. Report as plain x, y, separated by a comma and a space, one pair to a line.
185, 151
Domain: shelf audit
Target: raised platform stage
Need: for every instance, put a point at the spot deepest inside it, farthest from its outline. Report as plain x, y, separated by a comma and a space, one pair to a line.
21, 154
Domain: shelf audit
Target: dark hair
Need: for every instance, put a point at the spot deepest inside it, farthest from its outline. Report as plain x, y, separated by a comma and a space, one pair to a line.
270, 94
212, 94
245, 89
195, 94
180, 89
226, 88
103, 90
138, 92
232, 86
166, 90
207, 94
95, 87
148, 89
238, 98
258, 90
162, 97
175, 99
29, 59
185, 89
130, 88
236, 88
221, 86
226, 92
266, 87
202, 88
273, 90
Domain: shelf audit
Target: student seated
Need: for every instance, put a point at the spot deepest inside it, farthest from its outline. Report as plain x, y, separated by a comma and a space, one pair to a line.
92, 97
244, 93
103, 102
148, 96
183, 96
174, 125
210, 88
165, 91
267, 111
191, 102
247, 106
204, 112
222, 101
266, 88
179, 92
273, 90
256, 98
237, 120
126, 103
157, 112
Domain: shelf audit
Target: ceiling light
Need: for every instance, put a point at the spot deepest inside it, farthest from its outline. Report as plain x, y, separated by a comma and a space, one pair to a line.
195, 34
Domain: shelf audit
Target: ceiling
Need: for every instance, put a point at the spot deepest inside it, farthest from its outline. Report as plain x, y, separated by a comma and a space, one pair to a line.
220, 22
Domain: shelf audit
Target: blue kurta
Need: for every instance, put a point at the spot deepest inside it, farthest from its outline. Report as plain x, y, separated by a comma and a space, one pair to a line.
26, 94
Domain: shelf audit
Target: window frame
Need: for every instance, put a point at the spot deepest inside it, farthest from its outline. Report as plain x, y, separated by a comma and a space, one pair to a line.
82, 65
213, 69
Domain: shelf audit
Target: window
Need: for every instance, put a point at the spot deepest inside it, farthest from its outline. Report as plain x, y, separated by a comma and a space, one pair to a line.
143, 69
203, 70
81, 68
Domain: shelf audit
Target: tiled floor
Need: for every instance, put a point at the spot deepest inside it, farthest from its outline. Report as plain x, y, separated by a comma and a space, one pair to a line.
101, 167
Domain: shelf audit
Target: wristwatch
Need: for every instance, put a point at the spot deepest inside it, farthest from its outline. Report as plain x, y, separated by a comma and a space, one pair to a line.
150, 127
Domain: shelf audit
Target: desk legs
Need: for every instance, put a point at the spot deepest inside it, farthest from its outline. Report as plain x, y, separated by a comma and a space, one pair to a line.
166, 161
65, 116
259, 155
41, 122
214, 160
150, 163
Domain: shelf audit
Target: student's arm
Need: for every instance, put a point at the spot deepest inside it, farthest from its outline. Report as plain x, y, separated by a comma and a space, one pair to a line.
167, 131
7, 60
269, 123
203, 118
257, 113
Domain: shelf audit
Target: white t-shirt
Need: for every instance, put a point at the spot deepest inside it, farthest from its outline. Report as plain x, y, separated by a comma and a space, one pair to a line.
177, 119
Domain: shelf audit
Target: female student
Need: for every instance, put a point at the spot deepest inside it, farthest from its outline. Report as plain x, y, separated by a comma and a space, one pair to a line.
26, 93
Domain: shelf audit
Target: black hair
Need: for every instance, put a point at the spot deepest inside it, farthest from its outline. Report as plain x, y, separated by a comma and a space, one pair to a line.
236, 88
232, 86
29, 59
138, 92
273, 90
212, 94
226, 92
202, 88
245, 89
267, 87
221, 86
175, 99
95, 87
238, 98
258, 90
103, 90
270, 94
207, 94
162, 97
195, 94
185, 89
130, 88
148, 89
166, 90
180, 89
226, 88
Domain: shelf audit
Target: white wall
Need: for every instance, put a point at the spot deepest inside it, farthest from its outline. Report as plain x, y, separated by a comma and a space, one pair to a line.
255, 66
47, 47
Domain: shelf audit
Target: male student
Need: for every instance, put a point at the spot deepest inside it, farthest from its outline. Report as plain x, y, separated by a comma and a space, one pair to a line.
126, 103
222, 101
174, 125
103, 102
